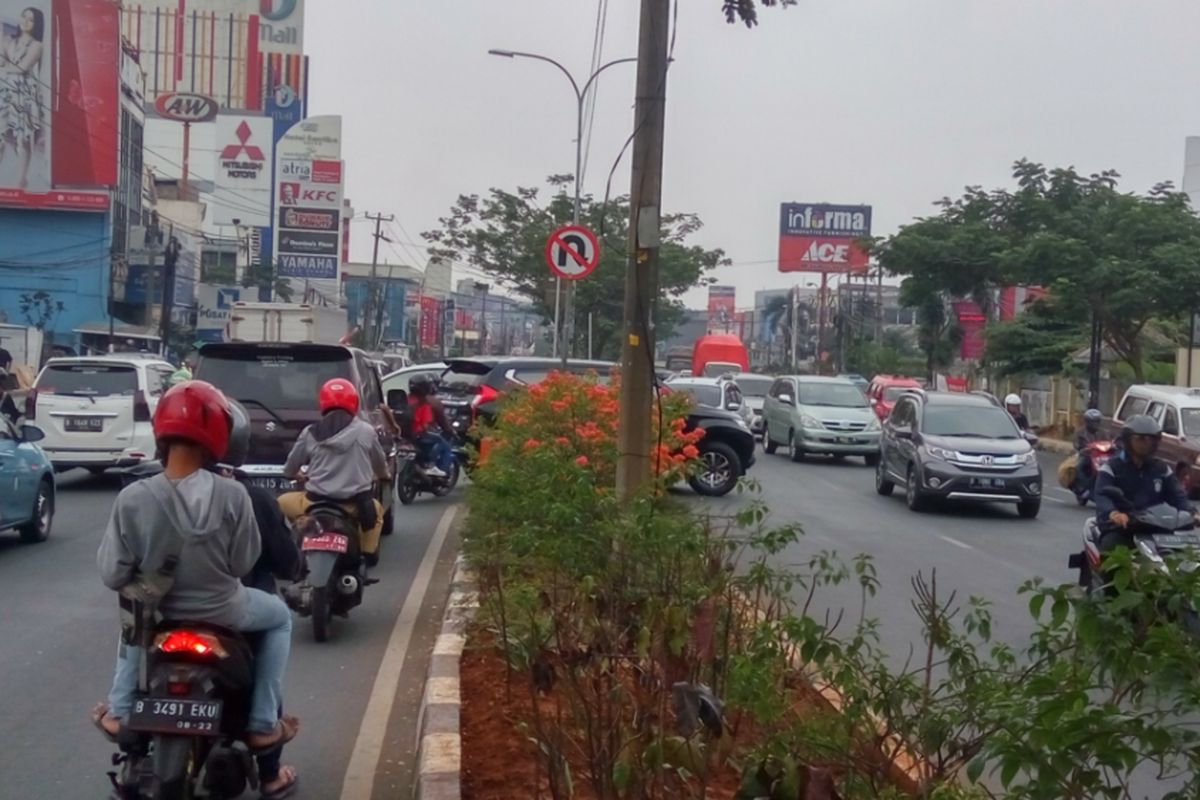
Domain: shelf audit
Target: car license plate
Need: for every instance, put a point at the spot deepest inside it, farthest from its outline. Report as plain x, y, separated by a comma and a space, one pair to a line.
165, 715
83, 424
328, 542
987, 483
1177, 539
845, 440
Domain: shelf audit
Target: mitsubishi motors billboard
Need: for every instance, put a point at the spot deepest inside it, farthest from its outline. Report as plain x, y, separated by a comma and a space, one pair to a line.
60, 66
816, 237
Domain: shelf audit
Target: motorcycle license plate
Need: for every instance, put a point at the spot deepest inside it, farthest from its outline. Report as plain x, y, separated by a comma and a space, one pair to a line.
272, 484
165, 715
1177, 539
329, 542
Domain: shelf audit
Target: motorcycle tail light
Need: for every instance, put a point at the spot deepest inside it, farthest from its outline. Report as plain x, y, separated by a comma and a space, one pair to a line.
179, 688
191, 643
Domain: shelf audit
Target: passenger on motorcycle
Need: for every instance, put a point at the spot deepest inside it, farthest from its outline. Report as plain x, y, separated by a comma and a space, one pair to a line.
1085, 436
344, 459
1144, 480
426, 410
221, 543
1012, 404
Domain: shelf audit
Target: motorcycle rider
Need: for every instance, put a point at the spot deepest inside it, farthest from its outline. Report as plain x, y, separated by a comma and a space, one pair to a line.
1085, 436
1143, 479
1012, 404
426, 410
215, 518
344, 459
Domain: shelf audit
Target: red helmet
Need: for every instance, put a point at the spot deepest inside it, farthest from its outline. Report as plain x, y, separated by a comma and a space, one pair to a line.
339, 393
197, 412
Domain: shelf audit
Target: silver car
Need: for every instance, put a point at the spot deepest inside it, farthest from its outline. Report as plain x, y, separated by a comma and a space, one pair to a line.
754, 391
813, 414
720, 393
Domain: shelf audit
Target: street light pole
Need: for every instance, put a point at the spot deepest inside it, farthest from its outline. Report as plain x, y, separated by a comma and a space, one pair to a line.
565, 342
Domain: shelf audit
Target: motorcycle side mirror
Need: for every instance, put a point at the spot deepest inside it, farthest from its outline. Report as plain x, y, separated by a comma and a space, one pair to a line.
32, 433
397, 399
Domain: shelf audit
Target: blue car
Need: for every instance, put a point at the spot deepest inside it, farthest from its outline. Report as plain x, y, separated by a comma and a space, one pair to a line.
26, 482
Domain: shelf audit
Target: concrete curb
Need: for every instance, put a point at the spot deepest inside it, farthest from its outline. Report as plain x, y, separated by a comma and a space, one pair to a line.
1056, 446
439, 747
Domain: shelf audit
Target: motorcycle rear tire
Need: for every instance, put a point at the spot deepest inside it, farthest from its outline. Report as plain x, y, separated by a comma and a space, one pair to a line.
406, 491
170, 758
321, 613
445, 488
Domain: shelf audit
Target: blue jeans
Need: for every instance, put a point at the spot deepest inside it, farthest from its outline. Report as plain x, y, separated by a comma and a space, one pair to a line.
434, 447
266, 613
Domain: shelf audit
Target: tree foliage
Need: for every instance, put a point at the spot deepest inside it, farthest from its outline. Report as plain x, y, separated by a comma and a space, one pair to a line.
504, 234
1037, 342
746, 11
1125, 258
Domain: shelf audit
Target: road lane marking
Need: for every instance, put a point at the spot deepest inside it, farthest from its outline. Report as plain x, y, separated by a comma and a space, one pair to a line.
955, 542
359, 782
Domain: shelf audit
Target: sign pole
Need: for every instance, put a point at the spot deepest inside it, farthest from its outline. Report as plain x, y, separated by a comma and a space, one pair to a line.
187, 152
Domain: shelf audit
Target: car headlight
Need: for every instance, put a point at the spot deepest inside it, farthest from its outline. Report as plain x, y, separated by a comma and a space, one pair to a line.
1030, 457
809, 421
873, 425
940, 453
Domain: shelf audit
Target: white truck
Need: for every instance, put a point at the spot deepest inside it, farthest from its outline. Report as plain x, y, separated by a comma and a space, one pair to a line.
287, 322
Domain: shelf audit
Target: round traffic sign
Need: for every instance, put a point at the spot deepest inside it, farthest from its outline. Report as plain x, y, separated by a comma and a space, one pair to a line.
572, 252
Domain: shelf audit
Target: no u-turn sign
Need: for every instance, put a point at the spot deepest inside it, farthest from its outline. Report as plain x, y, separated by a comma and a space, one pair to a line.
572, 252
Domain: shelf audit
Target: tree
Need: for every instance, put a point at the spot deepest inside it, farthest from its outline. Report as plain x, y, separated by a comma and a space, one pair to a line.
747, 12
1037, 342
40, 309
1123, 259
504, 234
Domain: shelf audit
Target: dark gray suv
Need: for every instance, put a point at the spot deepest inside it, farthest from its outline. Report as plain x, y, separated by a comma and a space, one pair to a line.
944, 445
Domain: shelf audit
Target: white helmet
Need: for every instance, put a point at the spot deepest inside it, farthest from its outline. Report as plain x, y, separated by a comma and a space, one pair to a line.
1013, 400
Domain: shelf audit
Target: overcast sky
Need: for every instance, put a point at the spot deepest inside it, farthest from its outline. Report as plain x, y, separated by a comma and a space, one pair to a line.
892, 103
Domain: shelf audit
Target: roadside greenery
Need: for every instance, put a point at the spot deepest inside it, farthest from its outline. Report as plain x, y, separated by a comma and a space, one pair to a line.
658, 646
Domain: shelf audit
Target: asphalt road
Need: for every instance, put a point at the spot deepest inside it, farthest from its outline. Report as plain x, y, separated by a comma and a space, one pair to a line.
58, 639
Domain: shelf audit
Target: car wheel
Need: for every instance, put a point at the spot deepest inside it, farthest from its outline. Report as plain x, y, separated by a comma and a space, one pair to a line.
913, 496
882, 485
721, 470
795, 453
38, 527
1028, 509
871, 458
769, 447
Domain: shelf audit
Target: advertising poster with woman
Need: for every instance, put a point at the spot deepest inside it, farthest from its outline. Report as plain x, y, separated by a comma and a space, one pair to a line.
25, 95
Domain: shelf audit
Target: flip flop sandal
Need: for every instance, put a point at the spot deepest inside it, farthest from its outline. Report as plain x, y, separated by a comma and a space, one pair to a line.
287, 790
288, 733
98, 721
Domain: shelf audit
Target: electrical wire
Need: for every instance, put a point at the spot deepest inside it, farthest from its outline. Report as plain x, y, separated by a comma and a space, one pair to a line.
597, 59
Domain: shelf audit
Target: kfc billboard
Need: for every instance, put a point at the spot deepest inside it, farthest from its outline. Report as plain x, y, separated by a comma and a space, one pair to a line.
242, 179
816, 237
60, 67
308, 195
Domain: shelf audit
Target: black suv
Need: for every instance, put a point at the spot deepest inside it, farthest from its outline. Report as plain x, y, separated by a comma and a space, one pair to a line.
945, 445
278, 385
471, 387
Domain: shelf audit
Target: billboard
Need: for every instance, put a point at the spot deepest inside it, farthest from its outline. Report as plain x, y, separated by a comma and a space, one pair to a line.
244, 149
309, 176
817, 237
227, 49
722, 308
214, 305
59, 103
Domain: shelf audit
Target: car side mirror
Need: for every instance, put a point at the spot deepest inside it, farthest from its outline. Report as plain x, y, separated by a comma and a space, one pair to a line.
32, 433
786, 399
397, 400
1032, 438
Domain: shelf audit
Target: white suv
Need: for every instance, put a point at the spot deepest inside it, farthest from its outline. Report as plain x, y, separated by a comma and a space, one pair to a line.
97, 410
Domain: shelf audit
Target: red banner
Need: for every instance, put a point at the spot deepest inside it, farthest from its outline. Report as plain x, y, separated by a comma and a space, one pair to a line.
722, 305
87, 107
431, 318
972, 322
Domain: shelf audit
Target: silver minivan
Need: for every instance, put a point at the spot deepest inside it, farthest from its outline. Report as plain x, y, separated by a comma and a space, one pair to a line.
814, 414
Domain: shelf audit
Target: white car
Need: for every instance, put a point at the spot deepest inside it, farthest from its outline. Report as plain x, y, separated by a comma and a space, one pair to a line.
754, 392
96, 411
722, 393
401, 378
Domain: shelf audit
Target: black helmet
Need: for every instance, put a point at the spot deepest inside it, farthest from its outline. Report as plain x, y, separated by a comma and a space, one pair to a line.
239, 436
421, 386
1141, 425
1092, 419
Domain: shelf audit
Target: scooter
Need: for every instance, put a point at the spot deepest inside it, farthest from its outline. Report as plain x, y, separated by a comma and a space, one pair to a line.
334, 573
1098, 454
413, 480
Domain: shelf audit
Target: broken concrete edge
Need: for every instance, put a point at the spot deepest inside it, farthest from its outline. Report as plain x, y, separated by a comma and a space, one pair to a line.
439, 746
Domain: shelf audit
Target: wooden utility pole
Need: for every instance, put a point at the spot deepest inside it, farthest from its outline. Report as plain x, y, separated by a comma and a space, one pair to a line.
641, 275
368, 316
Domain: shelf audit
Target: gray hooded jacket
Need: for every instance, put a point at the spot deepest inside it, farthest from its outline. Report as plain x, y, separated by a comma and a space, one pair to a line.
221, 543
344, 457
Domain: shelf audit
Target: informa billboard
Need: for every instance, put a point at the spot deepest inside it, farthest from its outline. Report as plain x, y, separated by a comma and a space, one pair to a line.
310, 176
816, 237
722, 308
242, 177
59, 103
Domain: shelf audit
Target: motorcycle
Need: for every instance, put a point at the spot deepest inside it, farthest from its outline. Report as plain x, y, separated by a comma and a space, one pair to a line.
413, 480
334, 573
1098, 453
184, 735
1157, 532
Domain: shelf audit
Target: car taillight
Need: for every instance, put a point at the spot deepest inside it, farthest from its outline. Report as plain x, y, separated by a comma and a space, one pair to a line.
190, 642
31, 405
486, 395
141, 409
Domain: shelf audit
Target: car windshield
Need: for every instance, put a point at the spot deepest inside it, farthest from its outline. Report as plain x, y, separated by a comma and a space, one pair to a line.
404, 379
755, 387
93, 380
841, 395
969, 421
703, 394
892, 393
1191, 421
276, 380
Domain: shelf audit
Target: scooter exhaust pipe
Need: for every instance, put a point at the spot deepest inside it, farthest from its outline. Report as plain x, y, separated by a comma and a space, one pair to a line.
348, 584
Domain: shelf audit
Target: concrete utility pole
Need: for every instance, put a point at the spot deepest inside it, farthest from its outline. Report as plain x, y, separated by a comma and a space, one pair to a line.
368, 316
641, 276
